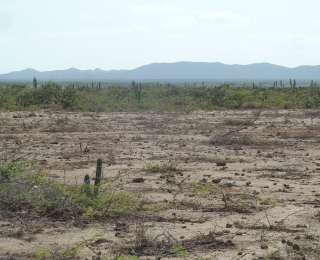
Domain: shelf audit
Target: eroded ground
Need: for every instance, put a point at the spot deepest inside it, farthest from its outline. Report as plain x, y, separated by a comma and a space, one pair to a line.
264, 177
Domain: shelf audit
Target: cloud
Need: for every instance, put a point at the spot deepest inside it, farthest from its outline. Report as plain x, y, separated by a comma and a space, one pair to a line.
316, 22
5, 21
219, 18
152, 9
78, 46
134, 29
296, 43
202, 17
176, 36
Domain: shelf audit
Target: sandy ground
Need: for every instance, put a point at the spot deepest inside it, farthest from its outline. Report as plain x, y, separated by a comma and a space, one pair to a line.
270, 180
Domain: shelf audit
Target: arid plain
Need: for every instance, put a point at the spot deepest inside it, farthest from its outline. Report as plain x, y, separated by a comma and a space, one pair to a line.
228, 184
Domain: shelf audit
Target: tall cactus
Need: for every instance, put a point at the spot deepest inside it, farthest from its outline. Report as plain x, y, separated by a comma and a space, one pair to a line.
98, 172
137, 91
98, 176
35, 82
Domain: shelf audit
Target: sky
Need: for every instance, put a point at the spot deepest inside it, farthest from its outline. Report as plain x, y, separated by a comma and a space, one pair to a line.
125, 34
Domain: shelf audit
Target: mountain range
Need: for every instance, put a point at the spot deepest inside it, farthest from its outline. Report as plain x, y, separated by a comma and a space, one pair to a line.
173, 71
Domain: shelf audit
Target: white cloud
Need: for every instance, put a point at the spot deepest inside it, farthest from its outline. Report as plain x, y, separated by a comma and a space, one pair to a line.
316, 22
284, 42
5, 39
90, 33
78, 46
219, 18
176, 36
202, 17
5, 21
129, 30
152, 9
182, 21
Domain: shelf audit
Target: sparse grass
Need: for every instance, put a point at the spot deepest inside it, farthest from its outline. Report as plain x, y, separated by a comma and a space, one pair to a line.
163, 168
25, 187
239, 122
158, 207
204, 188
268, 201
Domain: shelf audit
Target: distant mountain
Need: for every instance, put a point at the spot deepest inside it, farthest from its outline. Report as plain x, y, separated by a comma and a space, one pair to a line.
173, 71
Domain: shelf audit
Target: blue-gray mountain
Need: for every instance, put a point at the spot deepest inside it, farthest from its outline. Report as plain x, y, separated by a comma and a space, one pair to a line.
174, 71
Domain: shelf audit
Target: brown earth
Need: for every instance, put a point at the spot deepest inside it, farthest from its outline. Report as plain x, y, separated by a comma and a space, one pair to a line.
266, 173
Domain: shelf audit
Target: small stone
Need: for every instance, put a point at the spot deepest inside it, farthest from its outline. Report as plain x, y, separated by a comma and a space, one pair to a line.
138, 180
264, 246
216, 180
221, 163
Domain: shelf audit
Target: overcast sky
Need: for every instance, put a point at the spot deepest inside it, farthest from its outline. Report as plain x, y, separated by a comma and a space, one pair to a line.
125, 34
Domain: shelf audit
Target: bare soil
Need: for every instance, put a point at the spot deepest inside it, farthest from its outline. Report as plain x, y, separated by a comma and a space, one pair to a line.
267, 174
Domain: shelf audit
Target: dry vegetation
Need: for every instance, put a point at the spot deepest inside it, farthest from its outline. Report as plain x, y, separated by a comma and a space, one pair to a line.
203, 185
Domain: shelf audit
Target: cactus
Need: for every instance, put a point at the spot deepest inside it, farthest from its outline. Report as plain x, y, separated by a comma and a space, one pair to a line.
137, 91
98, 176
35, 82
290, 83
296, 248
98, 172
85, 188
87, 179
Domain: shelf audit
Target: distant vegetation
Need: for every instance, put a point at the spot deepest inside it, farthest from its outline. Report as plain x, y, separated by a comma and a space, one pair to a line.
168, 97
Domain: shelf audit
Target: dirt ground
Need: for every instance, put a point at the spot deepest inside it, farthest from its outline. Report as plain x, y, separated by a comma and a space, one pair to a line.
267, 172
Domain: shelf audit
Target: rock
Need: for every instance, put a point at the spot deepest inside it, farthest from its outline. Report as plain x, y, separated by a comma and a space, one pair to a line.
221, 163
264, 246
216, 180
138, 180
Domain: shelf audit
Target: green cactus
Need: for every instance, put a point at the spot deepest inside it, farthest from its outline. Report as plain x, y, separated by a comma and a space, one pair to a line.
98, 176
137, 91
296, 248
85, 188
98, 172
87, 179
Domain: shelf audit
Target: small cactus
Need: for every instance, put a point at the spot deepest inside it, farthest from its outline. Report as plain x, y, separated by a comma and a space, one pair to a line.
87, 179
296, 248
85, 188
